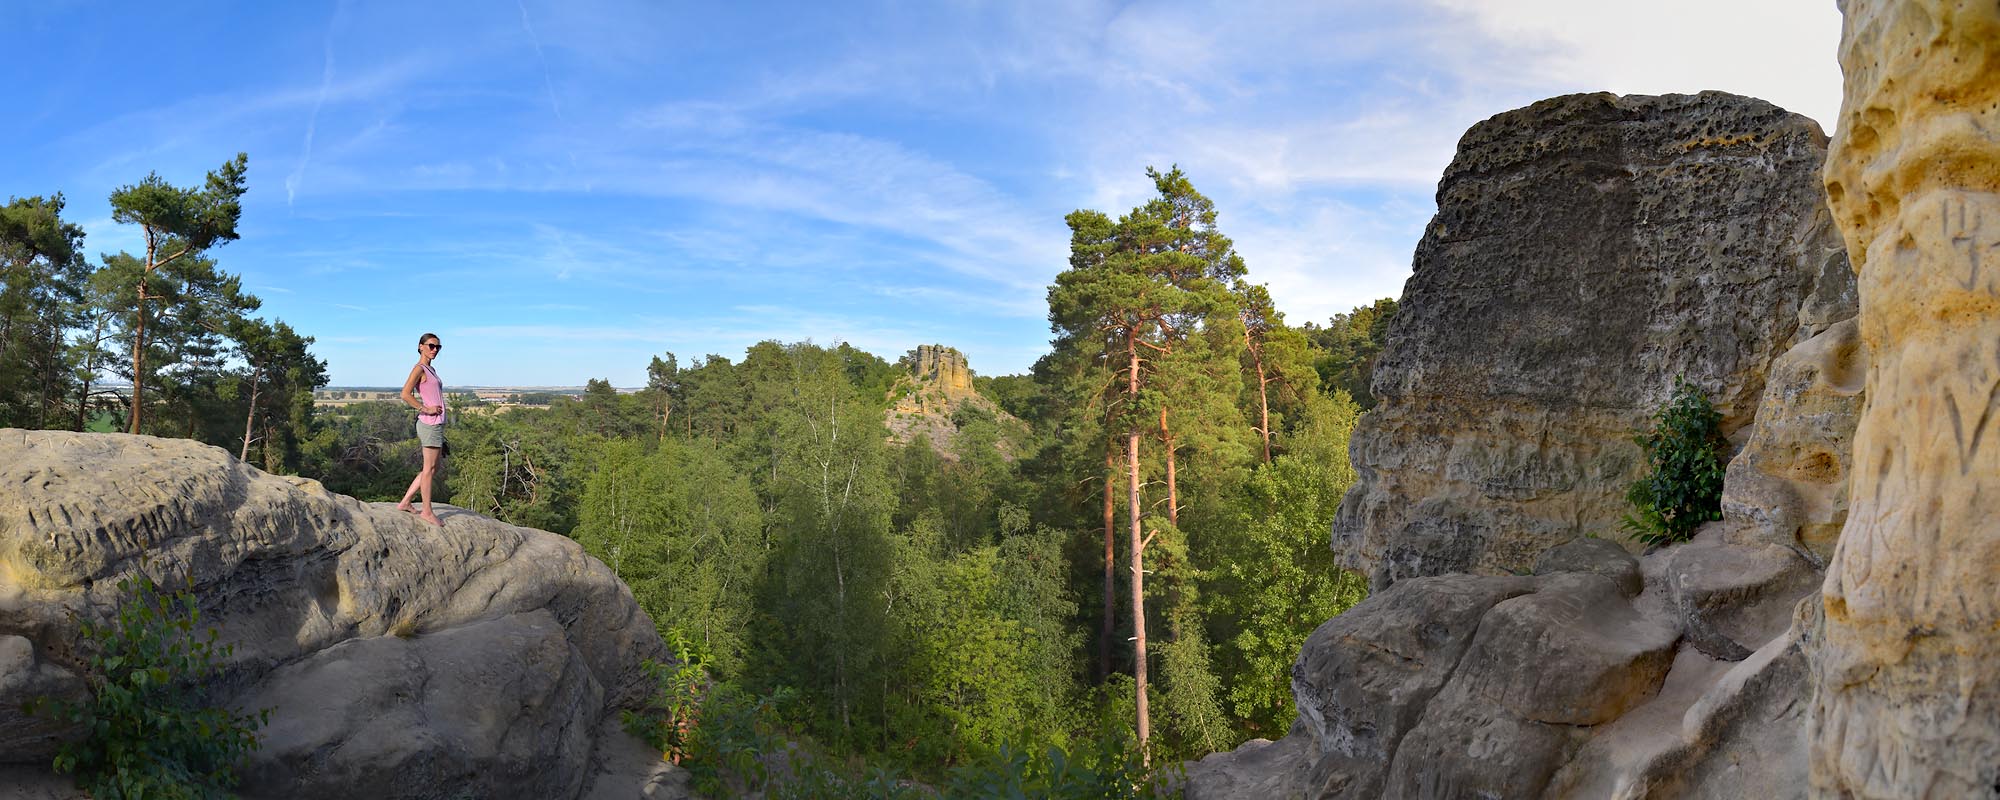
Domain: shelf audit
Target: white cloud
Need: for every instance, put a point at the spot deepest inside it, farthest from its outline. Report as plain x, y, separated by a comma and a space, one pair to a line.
1783, 51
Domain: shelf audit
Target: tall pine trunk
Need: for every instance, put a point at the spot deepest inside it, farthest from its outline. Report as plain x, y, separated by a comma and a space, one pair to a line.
1264, 410
1110, 558
1173, 485
250, 418
1263, 395
1138, 553
139, 333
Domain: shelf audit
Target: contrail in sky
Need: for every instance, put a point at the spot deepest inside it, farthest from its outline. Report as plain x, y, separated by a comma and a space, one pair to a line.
298, 175
547, 83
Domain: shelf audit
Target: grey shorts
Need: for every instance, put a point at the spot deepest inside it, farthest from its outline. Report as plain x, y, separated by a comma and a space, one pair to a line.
430, 435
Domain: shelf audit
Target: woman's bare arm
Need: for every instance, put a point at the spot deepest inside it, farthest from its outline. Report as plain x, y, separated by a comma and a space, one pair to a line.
410, 389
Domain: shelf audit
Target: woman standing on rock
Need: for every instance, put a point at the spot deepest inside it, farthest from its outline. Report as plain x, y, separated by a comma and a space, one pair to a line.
424, 392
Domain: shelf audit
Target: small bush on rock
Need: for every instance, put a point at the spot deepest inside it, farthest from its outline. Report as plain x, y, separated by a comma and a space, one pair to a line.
148, 736
1688, 454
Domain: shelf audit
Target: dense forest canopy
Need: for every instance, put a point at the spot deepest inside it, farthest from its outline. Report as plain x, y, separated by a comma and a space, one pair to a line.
1142, 570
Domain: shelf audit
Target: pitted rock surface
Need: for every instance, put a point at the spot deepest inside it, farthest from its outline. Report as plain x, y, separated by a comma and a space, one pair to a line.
520, 645
1586, 251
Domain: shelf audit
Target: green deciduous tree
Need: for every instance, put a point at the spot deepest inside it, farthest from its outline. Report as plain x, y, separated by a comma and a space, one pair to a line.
1277, 581
1352, 342
832, 539
684, 532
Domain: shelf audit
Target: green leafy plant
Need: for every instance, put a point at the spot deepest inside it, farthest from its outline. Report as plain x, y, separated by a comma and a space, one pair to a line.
1102, 767
148, 736
670, 716
1687, 454
719, 733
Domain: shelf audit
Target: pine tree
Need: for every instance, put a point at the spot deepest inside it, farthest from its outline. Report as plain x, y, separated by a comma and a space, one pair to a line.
42, 288
178, 226
1145, 285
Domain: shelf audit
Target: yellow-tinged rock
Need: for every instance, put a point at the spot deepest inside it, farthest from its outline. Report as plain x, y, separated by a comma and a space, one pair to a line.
1908, 699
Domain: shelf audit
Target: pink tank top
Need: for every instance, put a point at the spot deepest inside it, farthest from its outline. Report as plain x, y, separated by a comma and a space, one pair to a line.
430, 390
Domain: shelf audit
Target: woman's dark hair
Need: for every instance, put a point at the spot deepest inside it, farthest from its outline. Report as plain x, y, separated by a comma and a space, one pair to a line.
423, 338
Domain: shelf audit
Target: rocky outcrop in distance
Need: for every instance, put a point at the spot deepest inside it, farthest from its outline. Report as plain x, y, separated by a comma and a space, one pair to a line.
1587, 251
1557, 297
397, 659
928, 400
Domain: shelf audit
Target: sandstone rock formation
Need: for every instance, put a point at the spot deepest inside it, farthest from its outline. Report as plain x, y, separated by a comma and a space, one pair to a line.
942, 367
398, 659
928, 400
1503, 438
1586, 251
1908, 697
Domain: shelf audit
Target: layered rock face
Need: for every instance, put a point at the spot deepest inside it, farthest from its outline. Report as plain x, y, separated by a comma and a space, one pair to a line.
397, 659
1586, 251
1908, 700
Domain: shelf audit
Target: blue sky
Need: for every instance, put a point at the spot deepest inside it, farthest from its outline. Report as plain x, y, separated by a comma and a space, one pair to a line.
561, 189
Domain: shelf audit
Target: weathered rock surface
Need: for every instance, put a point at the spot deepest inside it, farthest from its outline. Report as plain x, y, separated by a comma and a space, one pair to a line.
943, 367
1908, 697
1456, 686
1586, 251
1733, 598
1279, 770
398, 659
1788, 486
1575, 683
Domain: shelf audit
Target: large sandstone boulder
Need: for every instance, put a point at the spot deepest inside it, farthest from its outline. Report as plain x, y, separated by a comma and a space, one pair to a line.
1576, 682
397, 659
1908, 697
1587, 250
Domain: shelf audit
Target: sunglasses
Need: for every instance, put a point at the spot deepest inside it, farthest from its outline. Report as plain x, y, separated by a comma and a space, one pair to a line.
434, 346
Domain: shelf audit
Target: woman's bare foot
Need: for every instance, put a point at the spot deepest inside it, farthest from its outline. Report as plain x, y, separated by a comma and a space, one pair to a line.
406, 508
430, 518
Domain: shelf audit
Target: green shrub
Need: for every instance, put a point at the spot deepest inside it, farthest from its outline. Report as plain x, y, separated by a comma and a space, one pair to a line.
148, 735
719, 733
1687, 455
1102, 768
733, 744
669, 719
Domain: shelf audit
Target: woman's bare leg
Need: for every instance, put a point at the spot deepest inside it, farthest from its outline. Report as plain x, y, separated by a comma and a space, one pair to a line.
424, 482
416, 483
